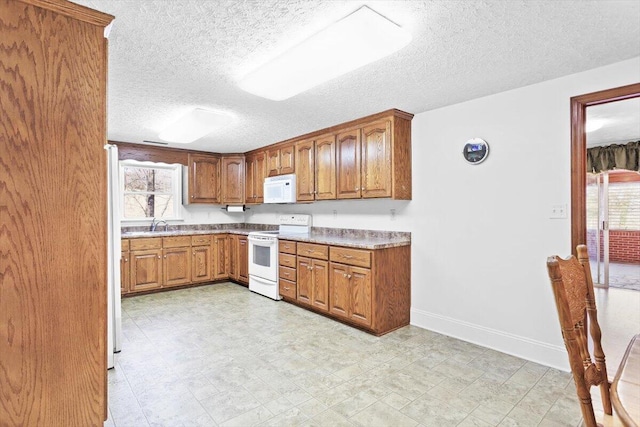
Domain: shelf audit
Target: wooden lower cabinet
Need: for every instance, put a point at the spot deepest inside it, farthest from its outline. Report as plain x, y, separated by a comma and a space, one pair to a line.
370, 289
243, 259
220, 257
146, 270
150, 264
350, 290
313, 282
201, 270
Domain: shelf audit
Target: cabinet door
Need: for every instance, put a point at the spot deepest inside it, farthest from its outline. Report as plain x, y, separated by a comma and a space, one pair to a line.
376, 160
201, 270
243, 259
273, 162
348, 164
249, 179
233, 256
360, 282
125, 273
305, 280
146, 270
339, 290
233, 180
305, 167
320, 284
287, 160
325, 168
177, 266
204, 178
220, 254
259, 175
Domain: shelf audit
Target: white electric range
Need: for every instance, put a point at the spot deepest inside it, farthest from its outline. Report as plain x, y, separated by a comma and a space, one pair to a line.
263, 253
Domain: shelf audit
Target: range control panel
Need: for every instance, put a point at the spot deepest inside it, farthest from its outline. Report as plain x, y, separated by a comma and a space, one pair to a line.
295, 219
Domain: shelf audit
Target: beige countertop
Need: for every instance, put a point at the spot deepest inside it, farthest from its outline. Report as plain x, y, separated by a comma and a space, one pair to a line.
362, 239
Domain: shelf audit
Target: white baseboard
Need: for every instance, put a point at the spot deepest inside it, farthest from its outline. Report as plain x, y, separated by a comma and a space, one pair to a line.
525, 348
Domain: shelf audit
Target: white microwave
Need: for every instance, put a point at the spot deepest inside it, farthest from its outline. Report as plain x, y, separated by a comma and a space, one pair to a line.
280, 189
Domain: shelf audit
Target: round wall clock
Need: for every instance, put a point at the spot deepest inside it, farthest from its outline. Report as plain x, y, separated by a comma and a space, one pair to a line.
475, 151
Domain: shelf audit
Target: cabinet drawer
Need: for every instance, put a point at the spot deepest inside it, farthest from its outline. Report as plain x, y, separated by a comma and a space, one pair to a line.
313, 250
147, 243
359, 257
201, 240
287, 260
287, 247
176, 241
287, 273
287, 289
124, 243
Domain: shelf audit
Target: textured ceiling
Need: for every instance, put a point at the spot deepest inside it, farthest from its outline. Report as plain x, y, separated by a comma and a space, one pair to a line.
167, 57
620, 122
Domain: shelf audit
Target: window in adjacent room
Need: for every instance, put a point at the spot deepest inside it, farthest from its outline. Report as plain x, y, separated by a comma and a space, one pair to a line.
150, 190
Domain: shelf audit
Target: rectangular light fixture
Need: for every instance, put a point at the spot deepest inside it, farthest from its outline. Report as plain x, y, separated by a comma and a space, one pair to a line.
356, 40
194, 125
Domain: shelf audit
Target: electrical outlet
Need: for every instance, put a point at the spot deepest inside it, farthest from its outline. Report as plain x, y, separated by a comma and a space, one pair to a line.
558, 212
335, 214
393, 214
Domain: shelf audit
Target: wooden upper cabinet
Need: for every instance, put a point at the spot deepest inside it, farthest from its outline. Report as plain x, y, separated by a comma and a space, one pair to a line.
325, 168
348, 164
233, 180
255, 172
305, 171
281, 160
376, 160
316, 169
204, 178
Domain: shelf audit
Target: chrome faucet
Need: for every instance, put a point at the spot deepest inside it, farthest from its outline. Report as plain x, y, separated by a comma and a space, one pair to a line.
154, 224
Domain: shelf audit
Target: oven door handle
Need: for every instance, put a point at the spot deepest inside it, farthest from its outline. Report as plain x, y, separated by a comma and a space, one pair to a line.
263, 281
262, 241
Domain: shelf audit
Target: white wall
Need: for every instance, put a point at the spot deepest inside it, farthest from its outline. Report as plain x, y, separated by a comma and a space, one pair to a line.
481, 234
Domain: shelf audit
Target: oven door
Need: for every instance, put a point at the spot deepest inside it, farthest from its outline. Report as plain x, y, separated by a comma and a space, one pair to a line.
263, 257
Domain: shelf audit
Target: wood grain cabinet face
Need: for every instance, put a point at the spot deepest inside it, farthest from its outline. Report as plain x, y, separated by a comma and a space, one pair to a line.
243, 260
146, 270
176, 263
281, 160
305, 280
204, 179
325, 168
125, 272
201, 268
320, 284
220, 256
376, 160
348, 164
316, 169
350, 290
305, 171
233, 177
256, 171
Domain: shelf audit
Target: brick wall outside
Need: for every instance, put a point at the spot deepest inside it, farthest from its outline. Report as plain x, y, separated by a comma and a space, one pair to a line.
624, 245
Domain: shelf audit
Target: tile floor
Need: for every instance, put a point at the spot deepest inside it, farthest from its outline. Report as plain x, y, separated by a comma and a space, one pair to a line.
220, 355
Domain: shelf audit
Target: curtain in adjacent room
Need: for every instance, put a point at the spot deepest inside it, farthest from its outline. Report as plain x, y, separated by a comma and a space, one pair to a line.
614, 156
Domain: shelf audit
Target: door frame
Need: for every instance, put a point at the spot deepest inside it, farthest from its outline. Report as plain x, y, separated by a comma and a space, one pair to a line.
579, 106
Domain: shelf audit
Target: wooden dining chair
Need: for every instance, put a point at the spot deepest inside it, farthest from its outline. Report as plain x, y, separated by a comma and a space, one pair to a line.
575, 301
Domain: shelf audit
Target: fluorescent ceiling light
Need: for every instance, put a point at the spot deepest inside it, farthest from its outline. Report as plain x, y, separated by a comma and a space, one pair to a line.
194, 125
356, 40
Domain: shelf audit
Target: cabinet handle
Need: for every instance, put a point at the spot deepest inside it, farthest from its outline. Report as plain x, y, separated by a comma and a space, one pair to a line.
362, 188
347, 256
193, 197
344, 274
160, 257
356, 189
126, 260
348, 276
